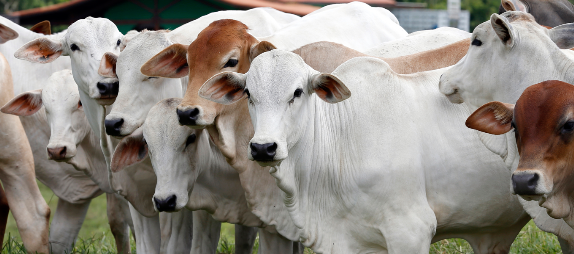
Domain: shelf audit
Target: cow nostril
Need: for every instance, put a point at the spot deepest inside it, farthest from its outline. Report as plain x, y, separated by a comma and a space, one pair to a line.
114, 126
57, 153
63, 152
264, 152
166, 205
525, 184
188, 117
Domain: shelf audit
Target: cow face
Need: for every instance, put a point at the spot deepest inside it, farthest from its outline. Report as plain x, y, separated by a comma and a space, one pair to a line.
279, 87
169, 146
224, 45
138, 92
507, 54
543, 122
64, 112
85, 42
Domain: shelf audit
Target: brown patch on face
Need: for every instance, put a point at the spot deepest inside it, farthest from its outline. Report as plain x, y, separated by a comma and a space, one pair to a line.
209, 55
544, 120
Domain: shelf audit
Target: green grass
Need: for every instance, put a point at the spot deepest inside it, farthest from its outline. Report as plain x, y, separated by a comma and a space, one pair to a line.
95, 235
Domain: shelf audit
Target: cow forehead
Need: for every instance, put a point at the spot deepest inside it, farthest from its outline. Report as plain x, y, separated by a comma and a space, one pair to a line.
92, 31
140, 49
274, 73
162, 124
542, 106
217, 39
61, 87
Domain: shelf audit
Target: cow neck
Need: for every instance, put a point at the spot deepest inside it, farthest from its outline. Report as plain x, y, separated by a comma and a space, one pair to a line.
431, 59
219, 198
90, 160
231, 133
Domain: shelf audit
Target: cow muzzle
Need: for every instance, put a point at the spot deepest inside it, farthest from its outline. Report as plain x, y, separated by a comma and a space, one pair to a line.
60, 152
114, 126
529, 184
166, 205
108, 91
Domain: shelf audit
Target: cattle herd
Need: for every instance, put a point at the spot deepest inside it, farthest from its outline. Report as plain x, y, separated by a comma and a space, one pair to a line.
337, 131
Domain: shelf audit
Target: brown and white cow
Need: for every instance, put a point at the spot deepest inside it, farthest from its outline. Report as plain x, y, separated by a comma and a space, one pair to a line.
543, 123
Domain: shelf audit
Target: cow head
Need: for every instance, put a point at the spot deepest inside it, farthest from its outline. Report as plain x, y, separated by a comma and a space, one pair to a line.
170, 147
64, 112
138, 92
224, 45
279, 87
506, 55
85, 42
543, 122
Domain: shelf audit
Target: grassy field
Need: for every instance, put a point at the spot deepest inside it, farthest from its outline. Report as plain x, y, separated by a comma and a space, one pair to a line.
95, 236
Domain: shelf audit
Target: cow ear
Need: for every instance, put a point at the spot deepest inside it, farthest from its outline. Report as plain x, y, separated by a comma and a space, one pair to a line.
563, 35
108, 65
169, 63
41, 50
260, 48
494, 118
503, 29
127, 38
329, 88
7, 34
131, 150
224, 88
42, 28
24, 104
508, 5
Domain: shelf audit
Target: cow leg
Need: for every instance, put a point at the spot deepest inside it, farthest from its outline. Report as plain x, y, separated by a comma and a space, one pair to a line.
497, 242
566, 246
298, 248
118, 224
66, 225
273, 243
180, 227
29, 208
147, 232
4, 210
410, 230
206, 232
244, 239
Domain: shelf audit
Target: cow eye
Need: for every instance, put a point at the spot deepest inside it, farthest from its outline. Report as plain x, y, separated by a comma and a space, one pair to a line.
190, 139
118, 43
74, 47
79, 104
231, 63
476, 42
568, 127
298, 93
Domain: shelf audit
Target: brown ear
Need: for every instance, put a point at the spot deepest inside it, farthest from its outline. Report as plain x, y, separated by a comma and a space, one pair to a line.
493, 117
7, 34
41, 50
42, 28
131, 150
260, 48
24, 104
169, 63
224, 88
108, 65
329, 88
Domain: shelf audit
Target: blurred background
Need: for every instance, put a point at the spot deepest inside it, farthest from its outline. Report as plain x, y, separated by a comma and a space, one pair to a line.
413, 15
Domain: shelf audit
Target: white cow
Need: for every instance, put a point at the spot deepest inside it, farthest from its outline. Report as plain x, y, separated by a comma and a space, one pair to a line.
22, 195
73, 188
86, 49
377, 172
509, 53
138, 93
85, 42
192, 173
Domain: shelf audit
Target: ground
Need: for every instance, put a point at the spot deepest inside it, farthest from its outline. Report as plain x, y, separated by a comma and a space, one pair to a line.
95, 236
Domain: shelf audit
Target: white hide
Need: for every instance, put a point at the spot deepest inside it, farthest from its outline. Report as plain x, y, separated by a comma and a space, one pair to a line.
355, 25
378, 172
196, 172
138, 93
495, 71
419, 41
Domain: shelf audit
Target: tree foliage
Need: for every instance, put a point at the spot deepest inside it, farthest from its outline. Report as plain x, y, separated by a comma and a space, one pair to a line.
16, 5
